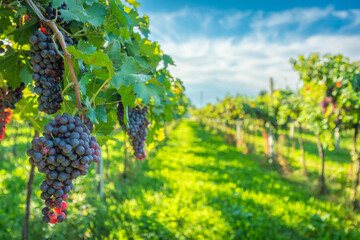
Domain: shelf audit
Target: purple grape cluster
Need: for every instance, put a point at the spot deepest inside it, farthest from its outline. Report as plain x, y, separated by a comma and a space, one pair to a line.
50, 12
9, 97
48, 69
120, 113
64, 153
137, 130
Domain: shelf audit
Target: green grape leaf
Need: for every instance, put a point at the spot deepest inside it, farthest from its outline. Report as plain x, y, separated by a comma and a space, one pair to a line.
119, 13
119, 79
86, 47
98, 59
168, 60
10, 66
148, 91
26, 74
91, 114
95, 15
22, 34
105, 129
57, 3
128, 96
102, 140
100, 112
84, 81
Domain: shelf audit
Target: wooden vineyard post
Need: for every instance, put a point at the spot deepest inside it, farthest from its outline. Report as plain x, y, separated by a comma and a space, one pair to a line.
337, 138
25, 230
322, 157
271, 133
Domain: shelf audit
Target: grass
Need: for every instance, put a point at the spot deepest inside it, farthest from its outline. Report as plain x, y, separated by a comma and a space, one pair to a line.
193, 187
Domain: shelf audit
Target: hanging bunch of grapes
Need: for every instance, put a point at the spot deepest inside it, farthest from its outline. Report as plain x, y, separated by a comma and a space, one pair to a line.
120, 113
5, 118
136, 127
8, 99
48, 65
329, 99
137, 130
65, 152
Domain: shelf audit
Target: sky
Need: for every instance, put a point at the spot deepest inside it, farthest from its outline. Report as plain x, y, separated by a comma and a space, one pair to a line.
234, 47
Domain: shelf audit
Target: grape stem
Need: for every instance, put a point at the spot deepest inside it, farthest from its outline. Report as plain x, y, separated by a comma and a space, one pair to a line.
67, 56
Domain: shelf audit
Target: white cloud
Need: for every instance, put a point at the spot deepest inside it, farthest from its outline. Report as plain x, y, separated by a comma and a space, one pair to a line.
302, 16
233, 20
220, 65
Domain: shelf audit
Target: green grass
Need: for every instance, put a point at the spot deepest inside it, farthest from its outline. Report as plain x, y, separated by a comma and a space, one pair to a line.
193, 187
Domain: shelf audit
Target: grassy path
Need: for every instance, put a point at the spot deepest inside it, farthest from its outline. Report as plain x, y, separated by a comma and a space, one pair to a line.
200, 188
193, 187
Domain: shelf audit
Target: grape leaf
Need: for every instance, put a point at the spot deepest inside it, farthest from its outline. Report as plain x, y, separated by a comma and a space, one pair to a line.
26, 75
95, 15
85, 47
10, 66
22, 34
100, 112
128, 79
98, 59
119, 13
148, 91
168, 60
84, 81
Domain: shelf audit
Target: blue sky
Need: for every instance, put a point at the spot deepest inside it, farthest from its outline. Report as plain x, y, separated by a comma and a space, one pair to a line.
222, 47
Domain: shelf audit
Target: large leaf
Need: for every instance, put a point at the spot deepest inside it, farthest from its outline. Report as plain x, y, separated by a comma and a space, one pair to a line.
98, 59
95, 14
148, 91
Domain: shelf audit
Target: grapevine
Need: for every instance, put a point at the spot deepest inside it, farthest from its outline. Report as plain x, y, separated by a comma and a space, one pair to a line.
74, 51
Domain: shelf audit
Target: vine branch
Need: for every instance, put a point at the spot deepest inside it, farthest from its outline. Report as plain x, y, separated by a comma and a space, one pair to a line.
67, 56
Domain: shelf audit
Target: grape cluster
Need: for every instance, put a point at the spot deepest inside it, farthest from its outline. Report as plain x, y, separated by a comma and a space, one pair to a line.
328, 100
5, 117
120, 113
137, 130
48, 69
64, 153
51, 12
8, 99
